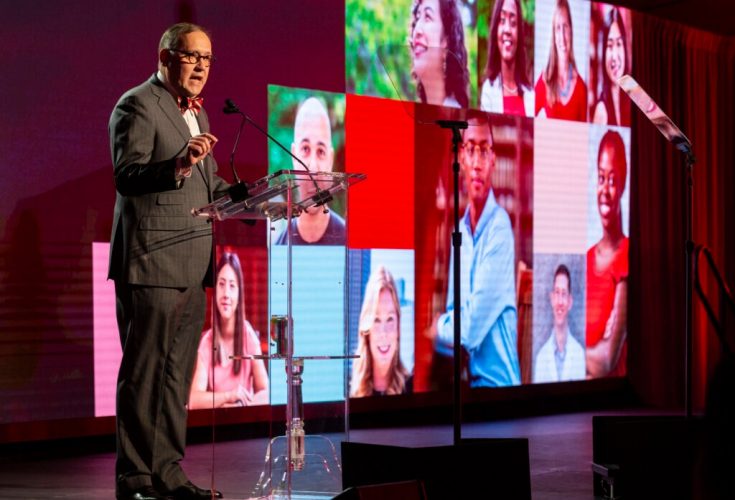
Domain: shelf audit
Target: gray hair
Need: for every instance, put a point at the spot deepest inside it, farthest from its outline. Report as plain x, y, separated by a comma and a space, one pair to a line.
172, 36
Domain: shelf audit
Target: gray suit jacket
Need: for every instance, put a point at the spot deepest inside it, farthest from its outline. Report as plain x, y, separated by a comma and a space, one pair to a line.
155, 240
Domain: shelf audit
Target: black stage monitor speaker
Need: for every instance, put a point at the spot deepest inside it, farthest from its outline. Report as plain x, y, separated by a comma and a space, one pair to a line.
404, 490
475, 468
653, 456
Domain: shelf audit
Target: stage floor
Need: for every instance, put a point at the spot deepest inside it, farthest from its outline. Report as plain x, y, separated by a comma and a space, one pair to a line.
560, 449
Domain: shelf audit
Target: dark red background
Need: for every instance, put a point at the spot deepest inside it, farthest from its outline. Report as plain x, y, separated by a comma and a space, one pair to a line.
65, 65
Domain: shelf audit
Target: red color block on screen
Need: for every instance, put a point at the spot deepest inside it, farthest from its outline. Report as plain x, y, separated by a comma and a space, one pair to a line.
379, 143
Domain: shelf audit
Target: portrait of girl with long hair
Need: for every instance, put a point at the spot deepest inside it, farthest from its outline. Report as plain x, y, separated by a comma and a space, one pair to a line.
223, 377
438, 53
379, 370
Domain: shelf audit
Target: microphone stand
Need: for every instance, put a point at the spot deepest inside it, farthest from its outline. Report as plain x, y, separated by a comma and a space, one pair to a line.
455, 126
675, 136
689, 166
238, 191
321, 197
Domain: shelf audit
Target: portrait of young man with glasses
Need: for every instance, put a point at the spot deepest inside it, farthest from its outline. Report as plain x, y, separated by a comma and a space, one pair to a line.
489, 324
160, 260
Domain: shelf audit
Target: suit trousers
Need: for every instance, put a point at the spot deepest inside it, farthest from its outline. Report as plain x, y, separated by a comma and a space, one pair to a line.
160, 330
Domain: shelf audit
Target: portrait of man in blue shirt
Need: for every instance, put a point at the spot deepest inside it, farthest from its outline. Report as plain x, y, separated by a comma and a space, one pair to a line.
489, 319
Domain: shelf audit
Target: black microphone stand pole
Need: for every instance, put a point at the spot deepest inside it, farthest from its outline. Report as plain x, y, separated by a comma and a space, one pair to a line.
455, 127
690, 160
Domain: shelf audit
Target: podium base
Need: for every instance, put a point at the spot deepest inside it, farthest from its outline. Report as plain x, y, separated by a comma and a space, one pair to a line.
318, 475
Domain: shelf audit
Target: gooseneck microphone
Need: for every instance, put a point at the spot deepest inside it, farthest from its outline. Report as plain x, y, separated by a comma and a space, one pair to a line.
230, 108
238, 191
321, 197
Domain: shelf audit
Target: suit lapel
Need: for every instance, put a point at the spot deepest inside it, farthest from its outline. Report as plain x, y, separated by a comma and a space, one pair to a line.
167, 103
203, 122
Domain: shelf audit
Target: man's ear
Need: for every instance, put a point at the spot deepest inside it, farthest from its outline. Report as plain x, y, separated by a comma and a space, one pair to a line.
164, 57
331, 158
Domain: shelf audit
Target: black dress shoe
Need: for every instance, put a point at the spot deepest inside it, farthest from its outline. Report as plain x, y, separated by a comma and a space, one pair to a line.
143, 493
190, 491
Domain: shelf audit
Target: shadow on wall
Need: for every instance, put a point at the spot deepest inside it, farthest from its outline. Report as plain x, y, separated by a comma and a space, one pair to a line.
46, 362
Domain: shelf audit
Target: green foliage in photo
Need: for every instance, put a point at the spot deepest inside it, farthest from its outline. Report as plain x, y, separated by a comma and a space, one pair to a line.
378, 60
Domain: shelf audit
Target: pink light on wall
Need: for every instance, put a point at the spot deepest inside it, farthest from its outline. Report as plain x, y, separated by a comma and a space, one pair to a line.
107, 352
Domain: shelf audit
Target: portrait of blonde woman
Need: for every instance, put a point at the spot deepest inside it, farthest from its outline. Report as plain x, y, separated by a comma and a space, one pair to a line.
560, 90
379, 370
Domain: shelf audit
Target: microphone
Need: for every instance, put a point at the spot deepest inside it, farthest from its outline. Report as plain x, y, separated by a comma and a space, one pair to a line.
230, 108
321, 197
460, 124
238, 191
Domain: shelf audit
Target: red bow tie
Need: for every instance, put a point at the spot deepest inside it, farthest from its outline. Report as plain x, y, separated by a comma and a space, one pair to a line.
190, 103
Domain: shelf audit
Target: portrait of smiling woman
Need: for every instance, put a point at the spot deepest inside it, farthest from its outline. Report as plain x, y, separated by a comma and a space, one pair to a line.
438, 53
612, 108
560, 90
507, 88
379, 370
220, 380
607, 265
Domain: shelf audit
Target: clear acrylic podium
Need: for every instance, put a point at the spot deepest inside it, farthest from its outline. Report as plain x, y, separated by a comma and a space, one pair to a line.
307, 321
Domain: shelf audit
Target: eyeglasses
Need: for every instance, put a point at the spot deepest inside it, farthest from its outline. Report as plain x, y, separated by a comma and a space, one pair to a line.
195, 57
471, 150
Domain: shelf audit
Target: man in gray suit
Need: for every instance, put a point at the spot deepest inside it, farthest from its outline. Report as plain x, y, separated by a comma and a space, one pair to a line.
160, 260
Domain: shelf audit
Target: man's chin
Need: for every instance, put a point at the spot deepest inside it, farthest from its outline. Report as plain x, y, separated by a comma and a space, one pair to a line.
193, 90
479, 196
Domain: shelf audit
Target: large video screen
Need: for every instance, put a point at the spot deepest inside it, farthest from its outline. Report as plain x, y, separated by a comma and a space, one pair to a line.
544, 169
543, 202
543, 207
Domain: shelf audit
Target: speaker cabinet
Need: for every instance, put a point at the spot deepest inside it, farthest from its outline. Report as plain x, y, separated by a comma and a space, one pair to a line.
474, 468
